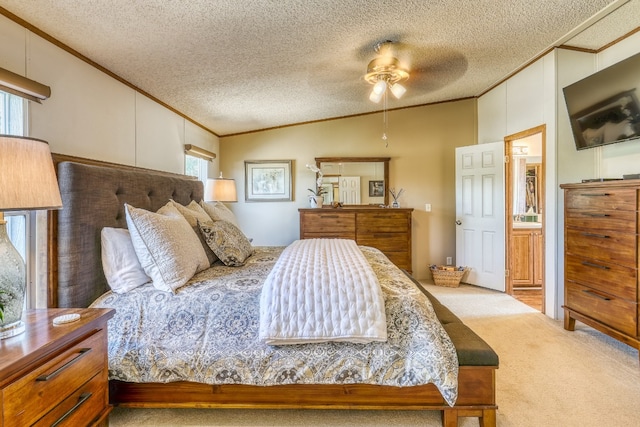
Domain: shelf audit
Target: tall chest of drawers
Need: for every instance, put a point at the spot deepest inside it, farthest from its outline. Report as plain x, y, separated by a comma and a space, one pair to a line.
601, 258
388, 230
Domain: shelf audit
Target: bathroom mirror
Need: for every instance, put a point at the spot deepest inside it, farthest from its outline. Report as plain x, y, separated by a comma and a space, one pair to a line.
355, 181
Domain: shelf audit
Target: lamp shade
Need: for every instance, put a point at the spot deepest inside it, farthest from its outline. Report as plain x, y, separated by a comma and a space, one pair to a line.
27, 181
220, 190
27, 178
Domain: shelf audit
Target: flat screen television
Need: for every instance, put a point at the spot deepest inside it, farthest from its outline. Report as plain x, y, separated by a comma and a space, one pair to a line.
603, 108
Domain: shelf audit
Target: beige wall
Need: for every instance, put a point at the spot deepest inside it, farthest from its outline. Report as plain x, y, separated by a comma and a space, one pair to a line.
422, 143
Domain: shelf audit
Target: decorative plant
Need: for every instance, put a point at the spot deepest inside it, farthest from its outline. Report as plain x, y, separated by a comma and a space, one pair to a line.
395, 195
319, 190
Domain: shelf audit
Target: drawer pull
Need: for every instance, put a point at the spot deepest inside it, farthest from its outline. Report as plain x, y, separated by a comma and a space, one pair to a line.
595, 215
595, 294
595, 194
601, 236
329, 216
47, 377
81, 399
590, 264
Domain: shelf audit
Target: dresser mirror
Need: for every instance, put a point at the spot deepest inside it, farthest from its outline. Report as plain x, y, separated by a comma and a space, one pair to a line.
355, 181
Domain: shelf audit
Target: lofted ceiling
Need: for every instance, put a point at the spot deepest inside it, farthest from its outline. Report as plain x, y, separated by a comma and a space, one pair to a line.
237, 66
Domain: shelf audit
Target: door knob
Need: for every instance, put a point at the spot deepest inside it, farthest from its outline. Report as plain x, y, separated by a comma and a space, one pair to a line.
458, 222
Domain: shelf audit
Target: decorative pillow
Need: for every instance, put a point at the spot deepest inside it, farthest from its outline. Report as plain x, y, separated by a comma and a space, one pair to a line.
120, 262
167, 248
219, 212
193, 213
227, 242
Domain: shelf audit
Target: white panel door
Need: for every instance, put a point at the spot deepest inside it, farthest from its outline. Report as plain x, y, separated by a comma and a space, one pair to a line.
350, 190
480, 221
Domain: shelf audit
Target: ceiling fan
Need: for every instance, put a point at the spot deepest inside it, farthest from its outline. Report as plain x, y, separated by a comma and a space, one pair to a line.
385, 72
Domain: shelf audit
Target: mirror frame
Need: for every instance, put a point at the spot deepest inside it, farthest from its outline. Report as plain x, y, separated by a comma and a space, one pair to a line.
385, 160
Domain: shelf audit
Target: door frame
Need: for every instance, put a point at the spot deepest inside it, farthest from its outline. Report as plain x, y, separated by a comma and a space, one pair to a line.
508, 152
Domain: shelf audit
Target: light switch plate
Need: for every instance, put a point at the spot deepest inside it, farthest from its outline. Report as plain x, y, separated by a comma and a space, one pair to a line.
427, 207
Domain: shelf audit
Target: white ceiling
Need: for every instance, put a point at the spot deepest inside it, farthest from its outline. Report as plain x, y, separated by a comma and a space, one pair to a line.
235, 66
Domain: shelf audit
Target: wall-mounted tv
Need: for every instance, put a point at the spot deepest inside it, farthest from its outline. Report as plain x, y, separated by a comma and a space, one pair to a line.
603, 108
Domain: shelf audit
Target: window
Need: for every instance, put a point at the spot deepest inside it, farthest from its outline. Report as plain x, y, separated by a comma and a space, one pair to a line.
19, 226
11, 114
195, 166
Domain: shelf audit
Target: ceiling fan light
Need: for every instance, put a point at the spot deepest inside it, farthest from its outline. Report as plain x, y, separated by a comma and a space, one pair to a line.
375, 97
379, 87
398, 90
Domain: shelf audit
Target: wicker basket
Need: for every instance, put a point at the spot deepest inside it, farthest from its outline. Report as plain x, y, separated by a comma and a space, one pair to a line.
447, 276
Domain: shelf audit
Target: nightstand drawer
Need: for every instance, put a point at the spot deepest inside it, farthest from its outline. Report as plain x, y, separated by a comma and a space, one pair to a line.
86, 403
36, 393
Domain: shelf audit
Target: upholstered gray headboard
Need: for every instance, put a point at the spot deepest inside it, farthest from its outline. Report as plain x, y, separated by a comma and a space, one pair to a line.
93, 197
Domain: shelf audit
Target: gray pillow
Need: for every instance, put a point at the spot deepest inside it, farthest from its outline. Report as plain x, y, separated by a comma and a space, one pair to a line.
167, 248
193, 213
227, 242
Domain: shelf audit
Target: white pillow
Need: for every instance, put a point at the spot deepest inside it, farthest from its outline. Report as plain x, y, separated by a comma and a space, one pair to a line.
120, 262
167, 247
219, 212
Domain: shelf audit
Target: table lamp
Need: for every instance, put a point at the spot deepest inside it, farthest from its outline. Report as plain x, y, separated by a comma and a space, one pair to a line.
220, 190
27, 182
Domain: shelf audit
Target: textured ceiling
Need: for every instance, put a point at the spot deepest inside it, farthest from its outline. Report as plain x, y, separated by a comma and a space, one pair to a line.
235, 66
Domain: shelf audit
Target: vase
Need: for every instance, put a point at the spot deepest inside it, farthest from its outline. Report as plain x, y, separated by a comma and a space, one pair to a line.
395, 204
12, 286
316, 201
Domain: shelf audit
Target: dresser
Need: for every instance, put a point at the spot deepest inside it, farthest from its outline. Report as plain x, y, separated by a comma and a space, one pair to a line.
601, 257
388, 230
56, 374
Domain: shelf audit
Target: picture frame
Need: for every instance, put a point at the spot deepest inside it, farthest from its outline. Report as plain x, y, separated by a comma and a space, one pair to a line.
376, 188
268, 181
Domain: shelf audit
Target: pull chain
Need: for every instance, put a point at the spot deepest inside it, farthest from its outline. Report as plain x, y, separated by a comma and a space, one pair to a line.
385, 124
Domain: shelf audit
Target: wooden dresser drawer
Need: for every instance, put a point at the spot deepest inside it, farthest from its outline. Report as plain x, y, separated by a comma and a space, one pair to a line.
400, 259
611, 278
615, 312
86, 403
35, 394
623, 221
331, 221
601, 199
386, 221
386, 242
618, 248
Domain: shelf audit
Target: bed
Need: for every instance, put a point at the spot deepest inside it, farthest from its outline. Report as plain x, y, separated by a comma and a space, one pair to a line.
94, 194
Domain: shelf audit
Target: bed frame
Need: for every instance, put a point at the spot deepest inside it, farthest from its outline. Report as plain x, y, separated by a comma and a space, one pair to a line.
94, 194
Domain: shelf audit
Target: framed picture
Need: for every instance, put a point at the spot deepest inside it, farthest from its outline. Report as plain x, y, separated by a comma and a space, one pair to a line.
267, 181
376, 188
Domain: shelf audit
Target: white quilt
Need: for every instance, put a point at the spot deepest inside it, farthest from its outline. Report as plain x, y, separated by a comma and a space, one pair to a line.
322, 290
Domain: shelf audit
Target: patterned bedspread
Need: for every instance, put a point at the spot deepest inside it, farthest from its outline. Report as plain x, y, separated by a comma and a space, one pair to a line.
208, 333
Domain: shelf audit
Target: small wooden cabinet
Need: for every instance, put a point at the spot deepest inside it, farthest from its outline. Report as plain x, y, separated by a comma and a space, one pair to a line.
56, 375
388, 230
527, 254
601, 257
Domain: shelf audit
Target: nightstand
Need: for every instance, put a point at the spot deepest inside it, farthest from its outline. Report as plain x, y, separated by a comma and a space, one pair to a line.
56, 375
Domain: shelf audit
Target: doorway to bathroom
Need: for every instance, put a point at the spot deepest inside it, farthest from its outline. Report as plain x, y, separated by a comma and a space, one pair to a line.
525, 213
